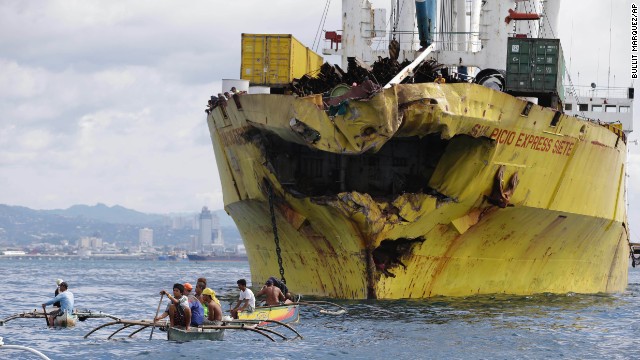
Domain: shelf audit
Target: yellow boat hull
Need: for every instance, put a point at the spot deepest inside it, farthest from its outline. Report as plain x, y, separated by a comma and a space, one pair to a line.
522, 201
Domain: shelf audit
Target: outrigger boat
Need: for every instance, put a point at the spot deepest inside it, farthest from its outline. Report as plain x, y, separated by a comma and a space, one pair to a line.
288, 313
66, 320
203, 332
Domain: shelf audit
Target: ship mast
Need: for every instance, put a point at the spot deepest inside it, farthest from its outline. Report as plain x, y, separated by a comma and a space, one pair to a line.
465, 36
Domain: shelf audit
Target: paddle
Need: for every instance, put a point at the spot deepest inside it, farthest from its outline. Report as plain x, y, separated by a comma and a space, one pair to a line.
154, 318
46, 317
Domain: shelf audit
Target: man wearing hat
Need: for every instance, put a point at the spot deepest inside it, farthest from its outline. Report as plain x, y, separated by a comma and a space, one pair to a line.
197, 311
58, 282
65, 298
214, 316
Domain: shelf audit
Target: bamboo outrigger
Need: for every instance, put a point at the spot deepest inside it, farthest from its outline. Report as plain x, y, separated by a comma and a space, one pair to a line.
67, 321
203, 332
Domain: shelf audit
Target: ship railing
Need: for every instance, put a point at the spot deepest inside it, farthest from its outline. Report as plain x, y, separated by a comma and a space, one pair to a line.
600, 92
443, 41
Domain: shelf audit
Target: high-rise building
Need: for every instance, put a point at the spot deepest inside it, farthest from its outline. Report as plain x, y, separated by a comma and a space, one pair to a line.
206, 224
145, 236
219, 241
90, 242
194, 241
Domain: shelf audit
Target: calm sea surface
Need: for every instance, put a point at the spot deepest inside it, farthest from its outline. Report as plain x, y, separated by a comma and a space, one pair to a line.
487, 327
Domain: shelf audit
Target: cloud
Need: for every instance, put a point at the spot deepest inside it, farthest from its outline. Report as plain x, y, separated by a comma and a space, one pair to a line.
103, 101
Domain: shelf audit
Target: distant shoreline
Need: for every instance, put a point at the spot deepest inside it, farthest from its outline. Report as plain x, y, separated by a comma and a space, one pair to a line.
103, 257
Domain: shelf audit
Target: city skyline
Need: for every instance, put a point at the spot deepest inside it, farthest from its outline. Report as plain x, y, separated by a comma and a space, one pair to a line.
104, 102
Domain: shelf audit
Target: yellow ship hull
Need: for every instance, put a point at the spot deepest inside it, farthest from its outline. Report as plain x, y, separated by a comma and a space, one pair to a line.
425, 190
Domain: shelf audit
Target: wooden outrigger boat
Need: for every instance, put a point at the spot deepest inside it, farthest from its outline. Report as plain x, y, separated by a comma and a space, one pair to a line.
203, 332
66, 320
198, 333
288, 313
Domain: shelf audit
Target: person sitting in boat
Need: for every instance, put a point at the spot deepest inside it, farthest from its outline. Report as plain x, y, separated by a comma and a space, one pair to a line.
197, 310
282, 286
58, 282
439, 79
187, 289
65, 298
201, 284
246, 302
212, 304
273, 293
181, 311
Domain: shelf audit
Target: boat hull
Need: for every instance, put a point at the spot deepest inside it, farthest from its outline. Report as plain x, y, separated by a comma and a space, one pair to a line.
520, 199
65, 320
284, 314
194, 333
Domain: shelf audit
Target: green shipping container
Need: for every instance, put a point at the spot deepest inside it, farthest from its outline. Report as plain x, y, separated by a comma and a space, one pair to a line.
535, 66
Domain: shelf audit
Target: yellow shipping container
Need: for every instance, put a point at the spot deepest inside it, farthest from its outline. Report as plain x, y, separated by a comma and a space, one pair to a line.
273, 60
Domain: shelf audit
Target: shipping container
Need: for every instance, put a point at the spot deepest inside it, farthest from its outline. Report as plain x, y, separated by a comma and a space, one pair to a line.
535, 66
275, 60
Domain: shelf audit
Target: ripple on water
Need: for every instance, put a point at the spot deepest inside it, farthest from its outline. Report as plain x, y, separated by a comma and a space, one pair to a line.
573, 326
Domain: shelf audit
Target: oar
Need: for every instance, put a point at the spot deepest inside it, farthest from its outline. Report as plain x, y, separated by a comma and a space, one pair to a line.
154, 318
44, 309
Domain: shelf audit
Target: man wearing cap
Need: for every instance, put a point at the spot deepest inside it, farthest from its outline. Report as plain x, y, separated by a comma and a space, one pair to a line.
197, 311
65, 298
246, 302
58, 282
213, 305
273, 293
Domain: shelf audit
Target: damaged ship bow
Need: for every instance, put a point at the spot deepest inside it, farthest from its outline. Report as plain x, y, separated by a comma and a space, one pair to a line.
421, 190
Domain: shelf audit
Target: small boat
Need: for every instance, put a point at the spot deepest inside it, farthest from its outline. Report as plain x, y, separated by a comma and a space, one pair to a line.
288, 313
203, 332
65, 320
194, 333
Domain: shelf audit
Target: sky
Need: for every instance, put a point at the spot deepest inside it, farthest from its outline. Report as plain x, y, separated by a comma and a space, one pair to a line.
103, 101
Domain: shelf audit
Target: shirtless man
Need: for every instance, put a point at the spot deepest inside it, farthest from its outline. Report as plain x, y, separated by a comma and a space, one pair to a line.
273, 293
214, 316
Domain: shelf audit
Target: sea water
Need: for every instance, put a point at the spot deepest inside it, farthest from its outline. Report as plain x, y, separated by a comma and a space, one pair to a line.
570, 326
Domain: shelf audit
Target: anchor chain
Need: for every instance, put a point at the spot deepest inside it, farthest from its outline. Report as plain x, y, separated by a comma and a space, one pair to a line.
275, 231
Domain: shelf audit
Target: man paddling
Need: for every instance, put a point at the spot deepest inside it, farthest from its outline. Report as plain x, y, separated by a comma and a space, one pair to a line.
65, 298
181, 311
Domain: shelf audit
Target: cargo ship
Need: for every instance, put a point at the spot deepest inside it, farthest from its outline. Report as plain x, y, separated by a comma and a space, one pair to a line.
214, 257
469, 170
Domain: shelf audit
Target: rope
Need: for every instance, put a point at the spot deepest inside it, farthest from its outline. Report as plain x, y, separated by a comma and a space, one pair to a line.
275, 231
323, 19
